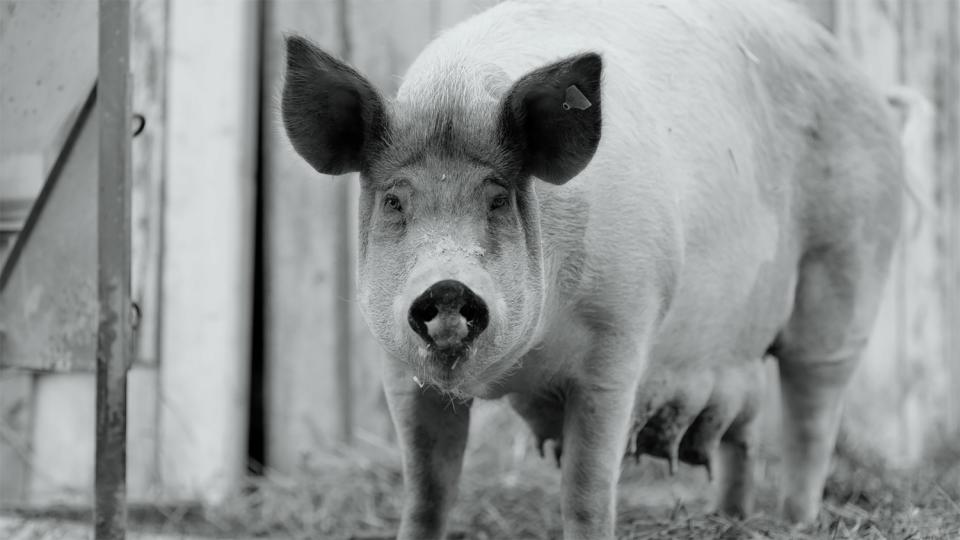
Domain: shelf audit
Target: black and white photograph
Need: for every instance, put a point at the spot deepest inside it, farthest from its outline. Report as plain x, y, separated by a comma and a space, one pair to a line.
479, 269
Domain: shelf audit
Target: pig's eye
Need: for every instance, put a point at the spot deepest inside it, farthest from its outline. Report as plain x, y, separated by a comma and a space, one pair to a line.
392, 202
499, 201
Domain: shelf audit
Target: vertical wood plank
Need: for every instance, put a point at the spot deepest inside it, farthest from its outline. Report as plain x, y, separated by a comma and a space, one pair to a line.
211, 93
147, 52
404, 29
450, 12
143, 473
948, 169
869, 31
301, 300
926, 389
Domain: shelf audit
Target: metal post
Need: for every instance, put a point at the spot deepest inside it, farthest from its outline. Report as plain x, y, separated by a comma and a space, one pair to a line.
113, 268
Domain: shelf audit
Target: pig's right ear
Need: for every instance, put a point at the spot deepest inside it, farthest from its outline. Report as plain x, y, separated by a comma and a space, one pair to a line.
331, 113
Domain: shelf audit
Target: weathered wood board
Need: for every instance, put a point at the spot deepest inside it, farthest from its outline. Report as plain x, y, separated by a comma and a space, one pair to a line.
147, 63
206, 289
301, 301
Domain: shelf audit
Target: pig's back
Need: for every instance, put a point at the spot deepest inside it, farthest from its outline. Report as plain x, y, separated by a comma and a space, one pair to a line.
702, 98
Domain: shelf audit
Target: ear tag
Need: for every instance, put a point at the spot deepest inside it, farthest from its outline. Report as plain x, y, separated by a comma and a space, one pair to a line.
575, 99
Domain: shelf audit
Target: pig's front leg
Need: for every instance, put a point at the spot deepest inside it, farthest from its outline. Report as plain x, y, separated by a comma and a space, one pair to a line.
597, 419
432, 431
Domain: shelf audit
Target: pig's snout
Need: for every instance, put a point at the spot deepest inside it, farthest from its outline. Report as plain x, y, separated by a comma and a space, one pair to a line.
448, 315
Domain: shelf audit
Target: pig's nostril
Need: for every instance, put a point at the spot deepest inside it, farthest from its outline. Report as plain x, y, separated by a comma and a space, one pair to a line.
470, 314
477, 317
448, 314
427, 313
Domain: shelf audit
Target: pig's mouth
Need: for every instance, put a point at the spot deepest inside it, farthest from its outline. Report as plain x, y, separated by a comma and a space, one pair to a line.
460, 372
446, 364
449, 358
452, 370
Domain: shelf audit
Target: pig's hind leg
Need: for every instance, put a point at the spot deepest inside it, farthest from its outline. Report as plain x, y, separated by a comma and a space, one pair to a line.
836, 300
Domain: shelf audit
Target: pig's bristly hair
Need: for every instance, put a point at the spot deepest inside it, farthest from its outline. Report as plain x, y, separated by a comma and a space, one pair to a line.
449, 109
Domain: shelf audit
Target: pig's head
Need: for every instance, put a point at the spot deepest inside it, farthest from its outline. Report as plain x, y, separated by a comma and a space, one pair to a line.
451, 276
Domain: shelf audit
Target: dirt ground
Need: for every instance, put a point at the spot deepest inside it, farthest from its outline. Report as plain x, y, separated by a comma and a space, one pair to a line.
509, 492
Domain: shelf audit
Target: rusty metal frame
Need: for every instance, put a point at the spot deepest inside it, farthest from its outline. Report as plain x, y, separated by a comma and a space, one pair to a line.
113, 268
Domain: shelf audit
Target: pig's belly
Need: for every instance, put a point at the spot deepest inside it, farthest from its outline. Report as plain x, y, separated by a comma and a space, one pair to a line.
722, 317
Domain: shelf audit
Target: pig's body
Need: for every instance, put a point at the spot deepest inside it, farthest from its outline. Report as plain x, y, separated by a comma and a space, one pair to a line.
740, 152
743, 200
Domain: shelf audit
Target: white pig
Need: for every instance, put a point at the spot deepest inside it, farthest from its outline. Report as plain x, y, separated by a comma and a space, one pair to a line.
609, 212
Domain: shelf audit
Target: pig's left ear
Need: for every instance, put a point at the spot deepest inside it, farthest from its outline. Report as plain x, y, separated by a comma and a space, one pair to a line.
331, 113
551, 117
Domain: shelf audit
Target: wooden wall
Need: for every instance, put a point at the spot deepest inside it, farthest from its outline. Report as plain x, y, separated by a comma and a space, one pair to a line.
194, 167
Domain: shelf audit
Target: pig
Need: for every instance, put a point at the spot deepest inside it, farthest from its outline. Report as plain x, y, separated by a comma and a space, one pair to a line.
609, 213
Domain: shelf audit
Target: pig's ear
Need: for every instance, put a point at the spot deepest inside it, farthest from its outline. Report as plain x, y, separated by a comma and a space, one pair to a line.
332, 114
551, 116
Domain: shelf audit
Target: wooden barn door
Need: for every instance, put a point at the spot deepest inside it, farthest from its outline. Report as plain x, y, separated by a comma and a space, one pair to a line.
195, 81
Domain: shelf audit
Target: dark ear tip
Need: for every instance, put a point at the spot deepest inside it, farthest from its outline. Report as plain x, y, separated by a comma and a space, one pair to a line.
299, 49
297, 45
295, 41
588, 62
